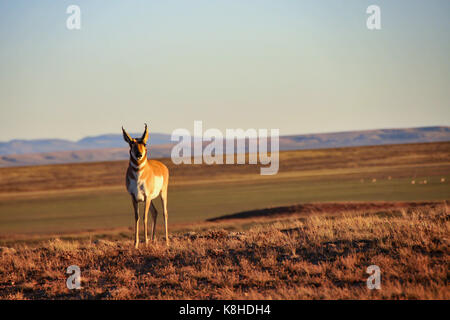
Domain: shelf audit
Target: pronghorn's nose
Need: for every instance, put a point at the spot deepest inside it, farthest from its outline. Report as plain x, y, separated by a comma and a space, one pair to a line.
139, 155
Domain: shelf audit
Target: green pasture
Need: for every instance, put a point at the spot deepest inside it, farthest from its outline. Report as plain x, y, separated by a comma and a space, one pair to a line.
85, 211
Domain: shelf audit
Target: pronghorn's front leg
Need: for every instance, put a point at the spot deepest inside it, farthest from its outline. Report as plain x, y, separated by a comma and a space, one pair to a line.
147, 206
165, 213
136, 218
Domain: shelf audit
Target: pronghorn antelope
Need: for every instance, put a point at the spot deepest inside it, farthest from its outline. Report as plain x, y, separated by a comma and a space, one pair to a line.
145, 180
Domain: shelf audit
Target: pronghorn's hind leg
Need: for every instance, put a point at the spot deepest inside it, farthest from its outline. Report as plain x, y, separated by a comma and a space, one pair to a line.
154, 215
148, 202
136, 218
165, 213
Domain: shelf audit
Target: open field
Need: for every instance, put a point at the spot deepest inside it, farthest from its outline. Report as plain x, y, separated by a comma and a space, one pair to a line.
82, 197
290, 256
309, 232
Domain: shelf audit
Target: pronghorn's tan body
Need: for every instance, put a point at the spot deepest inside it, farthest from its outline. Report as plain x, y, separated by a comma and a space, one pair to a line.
145, 181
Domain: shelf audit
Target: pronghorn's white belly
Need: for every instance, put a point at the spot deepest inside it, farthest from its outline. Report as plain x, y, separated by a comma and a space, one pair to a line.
139, 190
157, 187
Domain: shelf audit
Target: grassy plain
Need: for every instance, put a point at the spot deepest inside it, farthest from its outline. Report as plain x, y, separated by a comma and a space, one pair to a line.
80, 197
291, 257
340, 213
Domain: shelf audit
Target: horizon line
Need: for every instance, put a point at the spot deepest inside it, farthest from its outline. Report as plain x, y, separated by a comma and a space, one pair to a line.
283, 135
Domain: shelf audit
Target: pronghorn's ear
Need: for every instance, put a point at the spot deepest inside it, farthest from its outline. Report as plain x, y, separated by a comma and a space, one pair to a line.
126, 136
145, 135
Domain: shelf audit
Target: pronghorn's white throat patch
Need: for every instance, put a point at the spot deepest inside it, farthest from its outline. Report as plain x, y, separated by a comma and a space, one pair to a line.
140, 165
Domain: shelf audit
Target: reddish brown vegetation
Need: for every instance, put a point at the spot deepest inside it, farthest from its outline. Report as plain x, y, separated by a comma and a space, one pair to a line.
326, 208
315, 257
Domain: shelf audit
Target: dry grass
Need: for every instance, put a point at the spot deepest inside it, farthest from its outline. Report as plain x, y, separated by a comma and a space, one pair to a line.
316, 257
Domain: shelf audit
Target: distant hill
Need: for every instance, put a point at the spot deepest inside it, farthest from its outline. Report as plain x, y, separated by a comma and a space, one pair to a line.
54, 145
112, 147
90, 155
365, 138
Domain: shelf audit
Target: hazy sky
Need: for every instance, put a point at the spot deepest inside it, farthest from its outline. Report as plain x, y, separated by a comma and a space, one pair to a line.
300, 66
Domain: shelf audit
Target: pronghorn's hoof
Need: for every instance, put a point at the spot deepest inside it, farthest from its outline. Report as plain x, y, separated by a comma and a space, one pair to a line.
136, 245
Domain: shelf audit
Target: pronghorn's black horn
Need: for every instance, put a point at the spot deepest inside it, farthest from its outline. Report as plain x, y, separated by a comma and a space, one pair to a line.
126, 136
145, 135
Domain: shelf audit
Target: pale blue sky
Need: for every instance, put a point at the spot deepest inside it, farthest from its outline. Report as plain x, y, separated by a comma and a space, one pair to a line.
300, 66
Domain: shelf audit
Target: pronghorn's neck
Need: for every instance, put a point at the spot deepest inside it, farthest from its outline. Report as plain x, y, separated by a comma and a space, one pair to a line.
137, 165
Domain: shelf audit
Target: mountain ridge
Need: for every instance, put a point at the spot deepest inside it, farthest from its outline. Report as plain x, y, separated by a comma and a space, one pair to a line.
22, 146
109, 147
